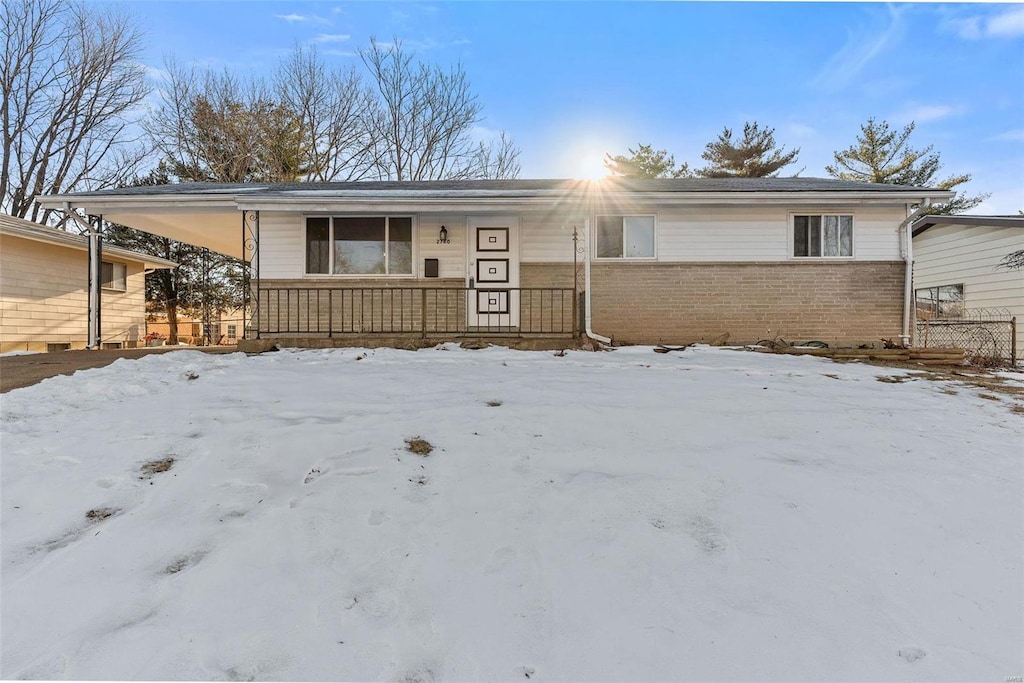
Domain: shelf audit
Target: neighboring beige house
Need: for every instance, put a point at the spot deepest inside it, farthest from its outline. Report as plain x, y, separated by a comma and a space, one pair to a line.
631, 261
957, 267
44, 290
227, 328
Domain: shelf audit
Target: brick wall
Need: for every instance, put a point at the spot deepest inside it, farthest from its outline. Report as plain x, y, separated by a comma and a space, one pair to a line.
843, 303
846, 303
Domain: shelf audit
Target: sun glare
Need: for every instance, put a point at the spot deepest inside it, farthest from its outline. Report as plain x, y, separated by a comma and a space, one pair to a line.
591, 167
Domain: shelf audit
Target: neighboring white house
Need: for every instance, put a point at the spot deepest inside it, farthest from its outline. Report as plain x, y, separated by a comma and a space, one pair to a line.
44, 290
957, 266
656, 261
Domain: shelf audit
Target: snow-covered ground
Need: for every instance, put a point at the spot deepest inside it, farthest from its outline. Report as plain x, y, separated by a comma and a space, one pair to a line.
710, 514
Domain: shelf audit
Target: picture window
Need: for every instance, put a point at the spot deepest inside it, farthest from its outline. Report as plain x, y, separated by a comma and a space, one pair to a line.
364, 245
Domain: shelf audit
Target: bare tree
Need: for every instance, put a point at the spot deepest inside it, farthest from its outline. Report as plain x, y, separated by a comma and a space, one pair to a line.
211, 126
331, 107
423, 118
70, 81
497, 159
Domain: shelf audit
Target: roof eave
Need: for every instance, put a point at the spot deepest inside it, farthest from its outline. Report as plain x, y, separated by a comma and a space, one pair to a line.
926, 222
72, 241
247, 200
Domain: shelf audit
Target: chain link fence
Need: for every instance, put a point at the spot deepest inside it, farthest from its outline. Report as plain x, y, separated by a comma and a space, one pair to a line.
988, 335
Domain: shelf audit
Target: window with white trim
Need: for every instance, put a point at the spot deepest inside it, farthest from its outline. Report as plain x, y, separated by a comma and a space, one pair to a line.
823, 235
944, 301
359, 245
625, 237
114, 276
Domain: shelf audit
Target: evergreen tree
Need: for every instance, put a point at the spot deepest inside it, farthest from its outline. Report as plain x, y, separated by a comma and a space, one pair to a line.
883, 155
645, 162
755, 156
182, 289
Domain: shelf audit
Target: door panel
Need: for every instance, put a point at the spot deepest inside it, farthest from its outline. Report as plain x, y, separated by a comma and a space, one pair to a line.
493, 272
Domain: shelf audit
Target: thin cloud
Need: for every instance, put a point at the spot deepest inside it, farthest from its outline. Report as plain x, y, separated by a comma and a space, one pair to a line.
424, 44
338, 53
480, 133
1016, 135
332, 38
1006, 24
156, 74
295, 18
923, 113
861, 48
798, 131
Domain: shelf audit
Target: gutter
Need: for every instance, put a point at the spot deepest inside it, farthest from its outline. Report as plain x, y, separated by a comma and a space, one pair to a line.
588, 330
908, 258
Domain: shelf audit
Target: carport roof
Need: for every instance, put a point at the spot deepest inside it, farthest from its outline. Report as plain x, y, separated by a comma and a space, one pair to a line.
19, 227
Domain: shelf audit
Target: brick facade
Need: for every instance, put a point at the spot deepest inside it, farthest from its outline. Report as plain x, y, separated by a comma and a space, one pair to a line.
842, 303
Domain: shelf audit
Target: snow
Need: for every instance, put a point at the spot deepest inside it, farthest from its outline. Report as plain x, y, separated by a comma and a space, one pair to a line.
708, 514
18, 353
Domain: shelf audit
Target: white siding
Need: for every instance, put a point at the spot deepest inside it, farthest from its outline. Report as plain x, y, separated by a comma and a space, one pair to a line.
970, 255
764, 233
451, 257
547, 238
734, 234
691, 234
282, 245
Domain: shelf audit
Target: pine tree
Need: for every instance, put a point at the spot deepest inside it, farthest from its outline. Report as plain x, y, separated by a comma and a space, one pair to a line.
883, 155
755, 156
183, 288
645, 162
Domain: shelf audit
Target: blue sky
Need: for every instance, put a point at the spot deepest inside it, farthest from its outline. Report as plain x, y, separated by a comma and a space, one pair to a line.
572, 80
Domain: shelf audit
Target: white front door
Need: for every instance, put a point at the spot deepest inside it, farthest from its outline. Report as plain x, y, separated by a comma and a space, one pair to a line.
493, 276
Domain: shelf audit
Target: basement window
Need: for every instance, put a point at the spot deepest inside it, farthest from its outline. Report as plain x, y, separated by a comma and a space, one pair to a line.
625, 237
944, 301
823, 236
114, 276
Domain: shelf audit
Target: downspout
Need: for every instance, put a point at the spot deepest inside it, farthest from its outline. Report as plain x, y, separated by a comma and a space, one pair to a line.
95, 275
908, 258
586, 278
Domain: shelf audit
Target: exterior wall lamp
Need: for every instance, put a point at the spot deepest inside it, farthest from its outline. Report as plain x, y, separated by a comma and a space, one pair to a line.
442, 236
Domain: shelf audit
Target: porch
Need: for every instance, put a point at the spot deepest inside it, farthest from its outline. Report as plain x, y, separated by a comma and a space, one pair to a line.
432, 313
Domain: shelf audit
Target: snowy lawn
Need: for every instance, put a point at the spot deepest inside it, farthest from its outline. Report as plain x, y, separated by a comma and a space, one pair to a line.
710, 514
